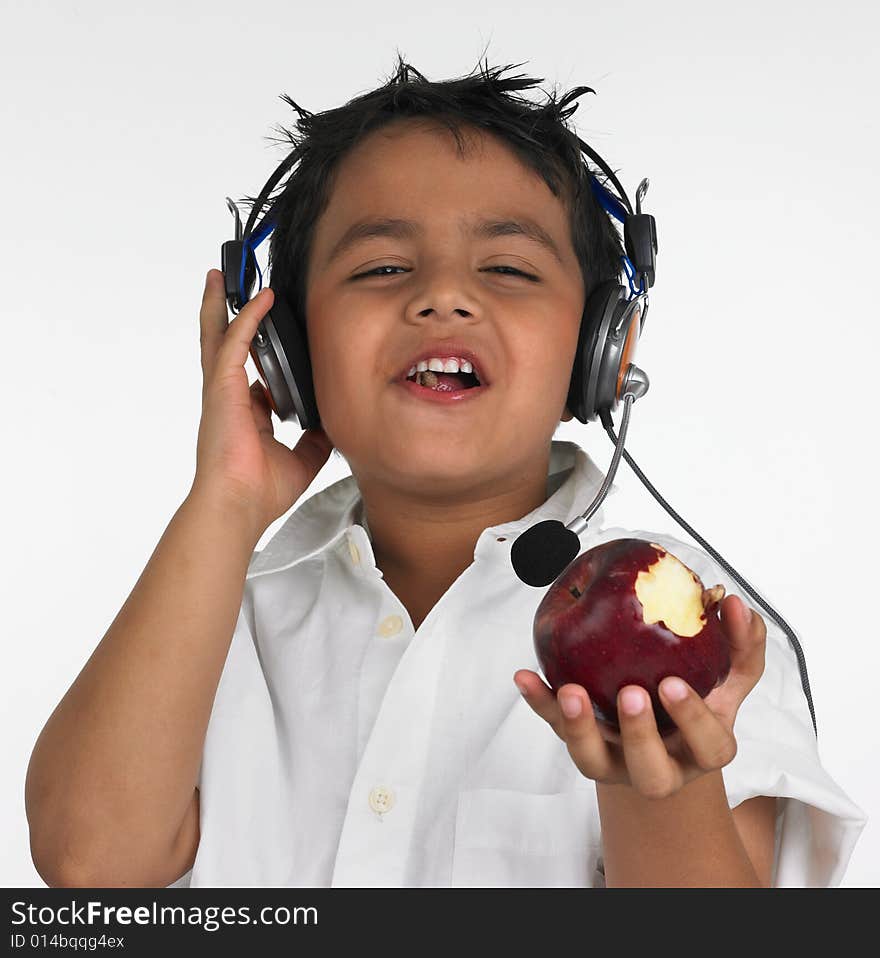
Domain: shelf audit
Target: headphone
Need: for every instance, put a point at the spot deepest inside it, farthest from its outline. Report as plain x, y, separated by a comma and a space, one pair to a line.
610, 325
602, 376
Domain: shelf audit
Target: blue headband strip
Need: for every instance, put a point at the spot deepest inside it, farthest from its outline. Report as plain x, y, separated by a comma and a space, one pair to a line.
608, 201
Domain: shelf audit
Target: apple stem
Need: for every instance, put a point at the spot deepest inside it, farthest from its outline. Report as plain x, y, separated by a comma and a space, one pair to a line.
574, 591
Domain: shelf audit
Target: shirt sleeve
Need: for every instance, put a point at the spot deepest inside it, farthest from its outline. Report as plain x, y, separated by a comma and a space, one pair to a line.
817, 824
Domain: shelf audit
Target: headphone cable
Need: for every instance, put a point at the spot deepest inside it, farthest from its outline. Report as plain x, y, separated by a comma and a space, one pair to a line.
802, 665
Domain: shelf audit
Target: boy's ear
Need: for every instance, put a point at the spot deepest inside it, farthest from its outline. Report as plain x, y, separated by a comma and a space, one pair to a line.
566, 415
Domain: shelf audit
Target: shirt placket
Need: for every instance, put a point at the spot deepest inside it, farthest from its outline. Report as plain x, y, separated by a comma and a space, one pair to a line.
381, 814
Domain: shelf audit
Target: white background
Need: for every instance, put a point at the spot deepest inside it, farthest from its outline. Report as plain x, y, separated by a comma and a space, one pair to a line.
125, 126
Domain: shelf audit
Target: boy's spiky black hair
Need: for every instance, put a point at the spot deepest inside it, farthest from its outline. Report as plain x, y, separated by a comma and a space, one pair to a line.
537, 133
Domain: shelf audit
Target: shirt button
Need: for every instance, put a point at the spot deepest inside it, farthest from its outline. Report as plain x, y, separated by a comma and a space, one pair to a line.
381, 799
390, 626
355, 552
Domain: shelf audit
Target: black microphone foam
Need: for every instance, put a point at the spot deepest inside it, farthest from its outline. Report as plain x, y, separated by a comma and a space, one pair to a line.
539, 554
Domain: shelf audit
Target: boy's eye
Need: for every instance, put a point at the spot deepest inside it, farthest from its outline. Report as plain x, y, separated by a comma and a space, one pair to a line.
376, 271
512, 271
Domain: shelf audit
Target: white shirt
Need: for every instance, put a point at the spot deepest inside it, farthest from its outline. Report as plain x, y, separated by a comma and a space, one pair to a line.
345, 749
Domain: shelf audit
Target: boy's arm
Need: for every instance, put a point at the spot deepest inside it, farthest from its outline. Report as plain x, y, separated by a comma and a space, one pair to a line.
110, 792
690, 839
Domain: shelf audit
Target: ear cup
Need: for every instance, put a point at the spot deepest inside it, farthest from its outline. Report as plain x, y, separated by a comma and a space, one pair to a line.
624, 338
589, 379
284, 364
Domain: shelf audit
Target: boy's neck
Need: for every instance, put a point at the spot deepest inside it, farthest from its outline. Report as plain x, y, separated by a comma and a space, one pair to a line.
422, 548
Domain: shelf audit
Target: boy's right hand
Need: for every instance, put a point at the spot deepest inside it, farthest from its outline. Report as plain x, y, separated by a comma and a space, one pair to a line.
238, 459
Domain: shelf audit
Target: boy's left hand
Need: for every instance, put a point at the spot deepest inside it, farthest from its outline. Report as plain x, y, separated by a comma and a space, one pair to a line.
658, 767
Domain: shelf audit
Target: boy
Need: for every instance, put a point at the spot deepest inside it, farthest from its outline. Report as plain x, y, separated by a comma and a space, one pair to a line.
339, 709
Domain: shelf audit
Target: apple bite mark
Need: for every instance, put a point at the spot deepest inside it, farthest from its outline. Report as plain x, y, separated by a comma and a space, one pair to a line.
671, 593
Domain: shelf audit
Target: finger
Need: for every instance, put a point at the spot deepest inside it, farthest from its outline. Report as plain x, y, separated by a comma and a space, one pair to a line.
747, 641
239, 335
711, 743
747, 633
540, 698
579, 729
652, 771
226, 344
213, 319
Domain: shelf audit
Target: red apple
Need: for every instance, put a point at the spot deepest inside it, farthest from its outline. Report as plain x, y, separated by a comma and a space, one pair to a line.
628, 612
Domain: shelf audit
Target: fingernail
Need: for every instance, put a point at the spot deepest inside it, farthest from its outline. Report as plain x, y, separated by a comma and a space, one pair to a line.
674, 689
522, 689
748, 613
632, 701
570, 705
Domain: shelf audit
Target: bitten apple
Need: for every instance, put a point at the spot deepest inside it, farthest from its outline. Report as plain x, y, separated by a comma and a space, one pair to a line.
628, 612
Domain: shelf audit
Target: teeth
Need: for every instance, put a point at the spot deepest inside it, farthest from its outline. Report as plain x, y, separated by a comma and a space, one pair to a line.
434, 364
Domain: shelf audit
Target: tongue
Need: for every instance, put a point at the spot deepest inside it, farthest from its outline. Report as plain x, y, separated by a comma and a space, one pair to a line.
443, 382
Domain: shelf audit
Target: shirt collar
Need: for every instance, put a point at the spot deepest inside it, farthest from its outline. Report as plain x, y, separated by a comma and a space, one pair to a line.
573, 480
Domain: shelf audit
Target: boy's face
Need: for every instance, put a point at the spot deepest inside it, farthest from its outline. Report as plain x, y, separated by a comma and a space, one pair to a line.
445, 285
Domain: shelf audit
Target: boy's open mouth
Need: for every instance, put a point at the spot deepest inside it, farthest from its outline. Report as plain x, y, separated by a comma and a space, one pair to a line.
445, 374
445, 366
